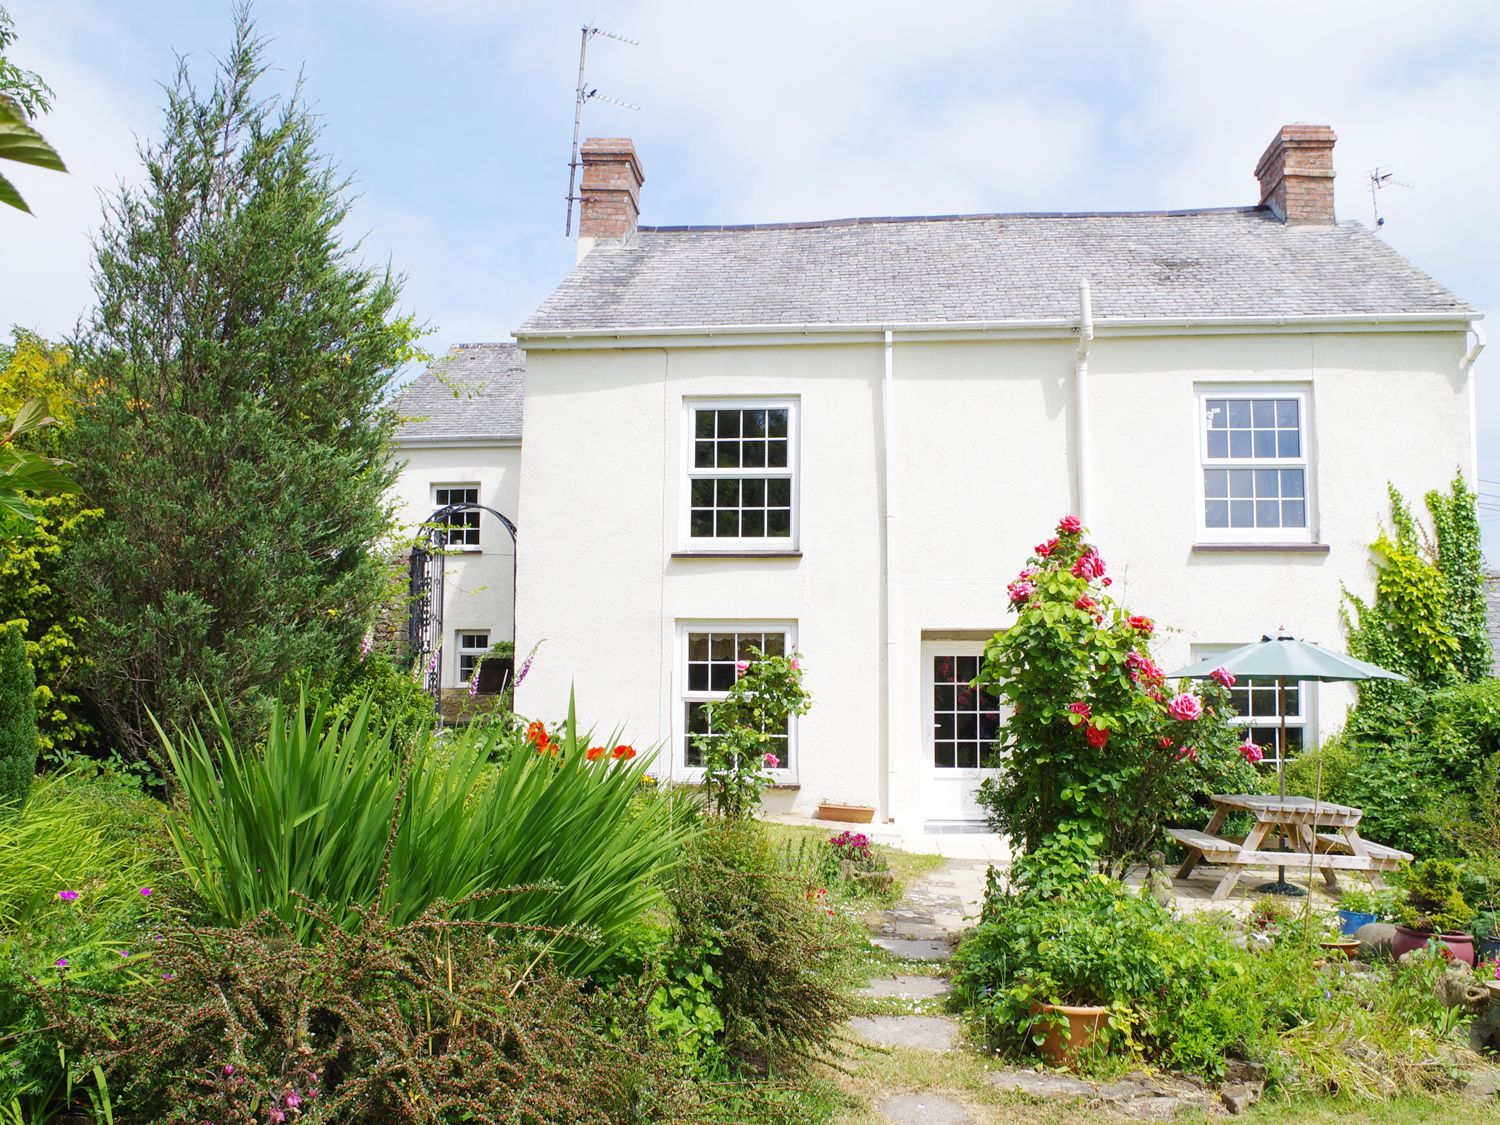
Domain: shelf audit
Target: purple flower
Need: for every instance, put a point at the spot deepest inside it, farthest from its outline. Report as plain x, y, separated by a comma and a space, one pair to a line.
293, 1099
228, 1070
62, 962
124, 953
67, 896
145, 892
169, 976
277, 1117
365, 645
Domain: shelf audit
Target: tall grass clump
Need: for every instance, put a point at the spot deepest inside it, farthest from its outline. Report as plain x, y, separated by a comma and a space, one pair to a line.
331, 812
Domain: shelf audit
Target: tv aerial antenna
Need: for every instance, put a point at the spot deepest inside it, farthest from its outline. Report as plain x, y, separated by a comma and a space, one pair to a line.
1381, 178
587, 95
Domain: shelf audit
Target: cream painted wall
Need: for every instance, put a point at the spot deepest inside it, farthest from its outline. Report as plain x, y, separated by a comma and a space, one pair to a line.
477, 585
983, 464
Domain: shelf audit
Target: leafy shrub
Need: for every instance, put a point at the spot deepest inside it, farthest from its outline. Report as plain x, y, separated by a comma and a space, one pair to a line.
1098, 747
426, 1021
776, 954
398, 701
1434, 900
17, 718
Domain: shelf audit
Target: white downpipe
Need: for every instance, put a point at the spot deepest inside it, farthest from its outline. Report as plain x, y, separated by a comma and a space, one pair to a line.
887, 395
1081, 396
1466, 365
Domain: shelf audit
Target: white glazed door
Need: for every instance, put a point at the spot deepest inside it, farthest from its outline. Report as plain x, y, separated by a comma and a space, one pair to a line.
961, 722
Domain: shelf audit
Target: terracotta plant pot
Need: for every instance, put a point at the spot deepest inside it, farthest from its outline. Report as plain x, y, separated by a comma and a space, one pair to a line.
1407, 940
849, 814
1066, 1041
1347, 947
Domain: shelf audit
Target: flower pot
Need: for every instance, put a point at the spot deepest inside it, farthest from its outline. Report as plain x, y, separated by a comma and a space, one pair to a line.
1067, 1040
1351, 920
849, 814
1406, 940
1494, 987
1348, 948
1488, 948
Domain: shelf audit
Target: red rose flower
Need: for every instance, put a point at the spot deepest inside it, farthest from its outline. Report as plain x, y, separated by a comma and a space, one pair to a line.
1141, 624
1070, 525
1097, 737
1080, 709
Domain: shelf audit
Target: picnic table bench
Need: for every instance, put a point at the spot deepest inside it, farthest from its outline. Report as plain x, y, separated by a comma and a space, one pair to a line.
1295, 820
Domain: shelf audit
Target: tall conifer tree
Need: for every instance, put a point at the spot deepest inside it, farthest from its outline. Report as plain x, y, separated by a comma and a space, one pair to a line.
237, 424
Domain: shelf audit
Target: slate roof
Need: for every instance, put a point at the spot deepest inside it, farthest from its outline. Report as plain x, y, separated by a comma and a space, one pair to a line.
490, 381
1223, 262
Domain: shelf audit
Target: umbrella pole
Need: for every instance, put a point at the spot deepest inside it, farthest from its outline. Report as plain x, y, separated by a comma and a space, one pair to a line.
1281, 886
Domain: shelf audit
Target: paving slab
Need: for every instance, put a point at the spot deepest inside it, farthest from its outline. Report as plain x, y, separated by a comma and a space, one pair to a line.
1040, 1084
906, 987
916, 949
931, 1033
924, 1109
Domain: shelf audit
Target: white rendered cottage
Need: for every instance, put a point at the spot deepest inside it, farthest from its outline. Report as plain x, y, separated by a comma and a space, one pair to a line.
460, 443
847, 436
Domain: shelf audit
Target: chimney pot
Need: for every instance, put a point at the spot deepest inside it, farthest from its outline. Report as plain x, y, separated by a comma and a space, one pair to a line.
1296, 174
611, 194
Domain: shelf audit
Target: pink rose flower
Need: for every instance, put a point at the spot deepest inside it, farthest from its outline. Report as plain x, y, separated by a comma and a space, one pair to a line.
795, 663
1089, 565
1081, 709
771, 761
1086, 603
741, 667
1141, 624
1045, 549
1185, 707
1020, 591
1187, 752
1251, 752
1070, 525
1222, 676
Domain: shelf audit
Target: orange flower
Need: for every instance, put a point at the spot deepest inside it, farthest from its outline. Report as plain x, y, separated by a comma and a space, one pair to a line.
536, 733
623, 753
594, 753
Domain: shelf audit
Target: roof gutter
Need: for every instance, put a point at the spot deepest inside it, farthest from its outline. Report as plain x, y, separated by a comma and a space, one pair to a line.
1435, 321
1466, 368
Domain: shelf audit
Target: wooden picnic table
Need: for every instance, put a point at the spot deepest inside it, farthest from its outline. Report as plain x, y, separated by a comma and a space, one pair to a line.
1296, 820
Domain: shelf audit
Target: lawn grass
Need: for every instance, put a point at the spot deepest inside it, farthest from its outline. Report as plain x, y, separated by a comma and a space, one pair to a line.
907, 866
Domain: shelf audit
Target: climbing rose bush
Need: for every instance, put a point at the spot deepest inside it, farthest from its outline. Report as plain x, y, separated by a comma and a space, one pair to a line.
1099, 753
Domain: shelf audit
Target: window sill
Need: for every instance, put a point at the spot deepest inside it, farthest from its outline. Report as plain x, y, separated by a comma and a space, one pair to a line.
746, 554
1261, 548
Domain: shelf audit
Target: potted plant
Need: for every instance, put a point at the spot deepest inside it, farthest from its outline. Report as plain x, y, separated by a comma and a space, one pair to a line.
1435, 910
1486, 930
847, 814
1356, 909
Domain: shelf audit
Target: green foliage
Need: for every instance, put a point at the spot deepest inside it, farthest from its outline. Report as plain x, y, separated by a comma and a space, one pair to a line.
774, 948
398, 701
30, 597
25, 473
236, 428
1415, 756
92, 839
23, 94
18, 740
1434, 899
1185, 993
422, 1022
1096, 750
25, 88
328, 811
765, 696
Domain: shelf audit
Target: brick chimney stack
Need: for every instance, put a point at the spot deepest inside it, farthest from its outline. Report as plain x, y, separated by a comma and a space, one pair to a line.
611, 195
1296, 174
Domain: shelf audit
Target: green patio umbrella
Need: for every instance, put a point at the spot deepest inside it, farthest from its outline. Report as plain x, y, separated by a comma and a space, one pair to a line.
1283, 657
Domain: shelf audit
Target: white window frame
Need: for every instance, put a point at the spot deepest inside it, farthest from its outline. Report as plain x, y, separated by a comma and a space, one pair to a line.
787, 773
1305, 720
476, 654
1306, 462
793, 472
476, 488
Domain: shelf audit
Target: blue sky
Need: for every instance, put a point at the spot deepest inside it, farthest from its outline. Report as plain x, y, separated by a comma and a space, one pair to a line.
454, 118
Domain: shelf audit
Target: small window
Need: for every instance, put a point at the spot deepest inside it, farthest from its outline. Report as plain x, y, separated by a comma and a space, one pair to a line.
461, 529
1255, 471
710, 656
742, 475
471, 650
965, 718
